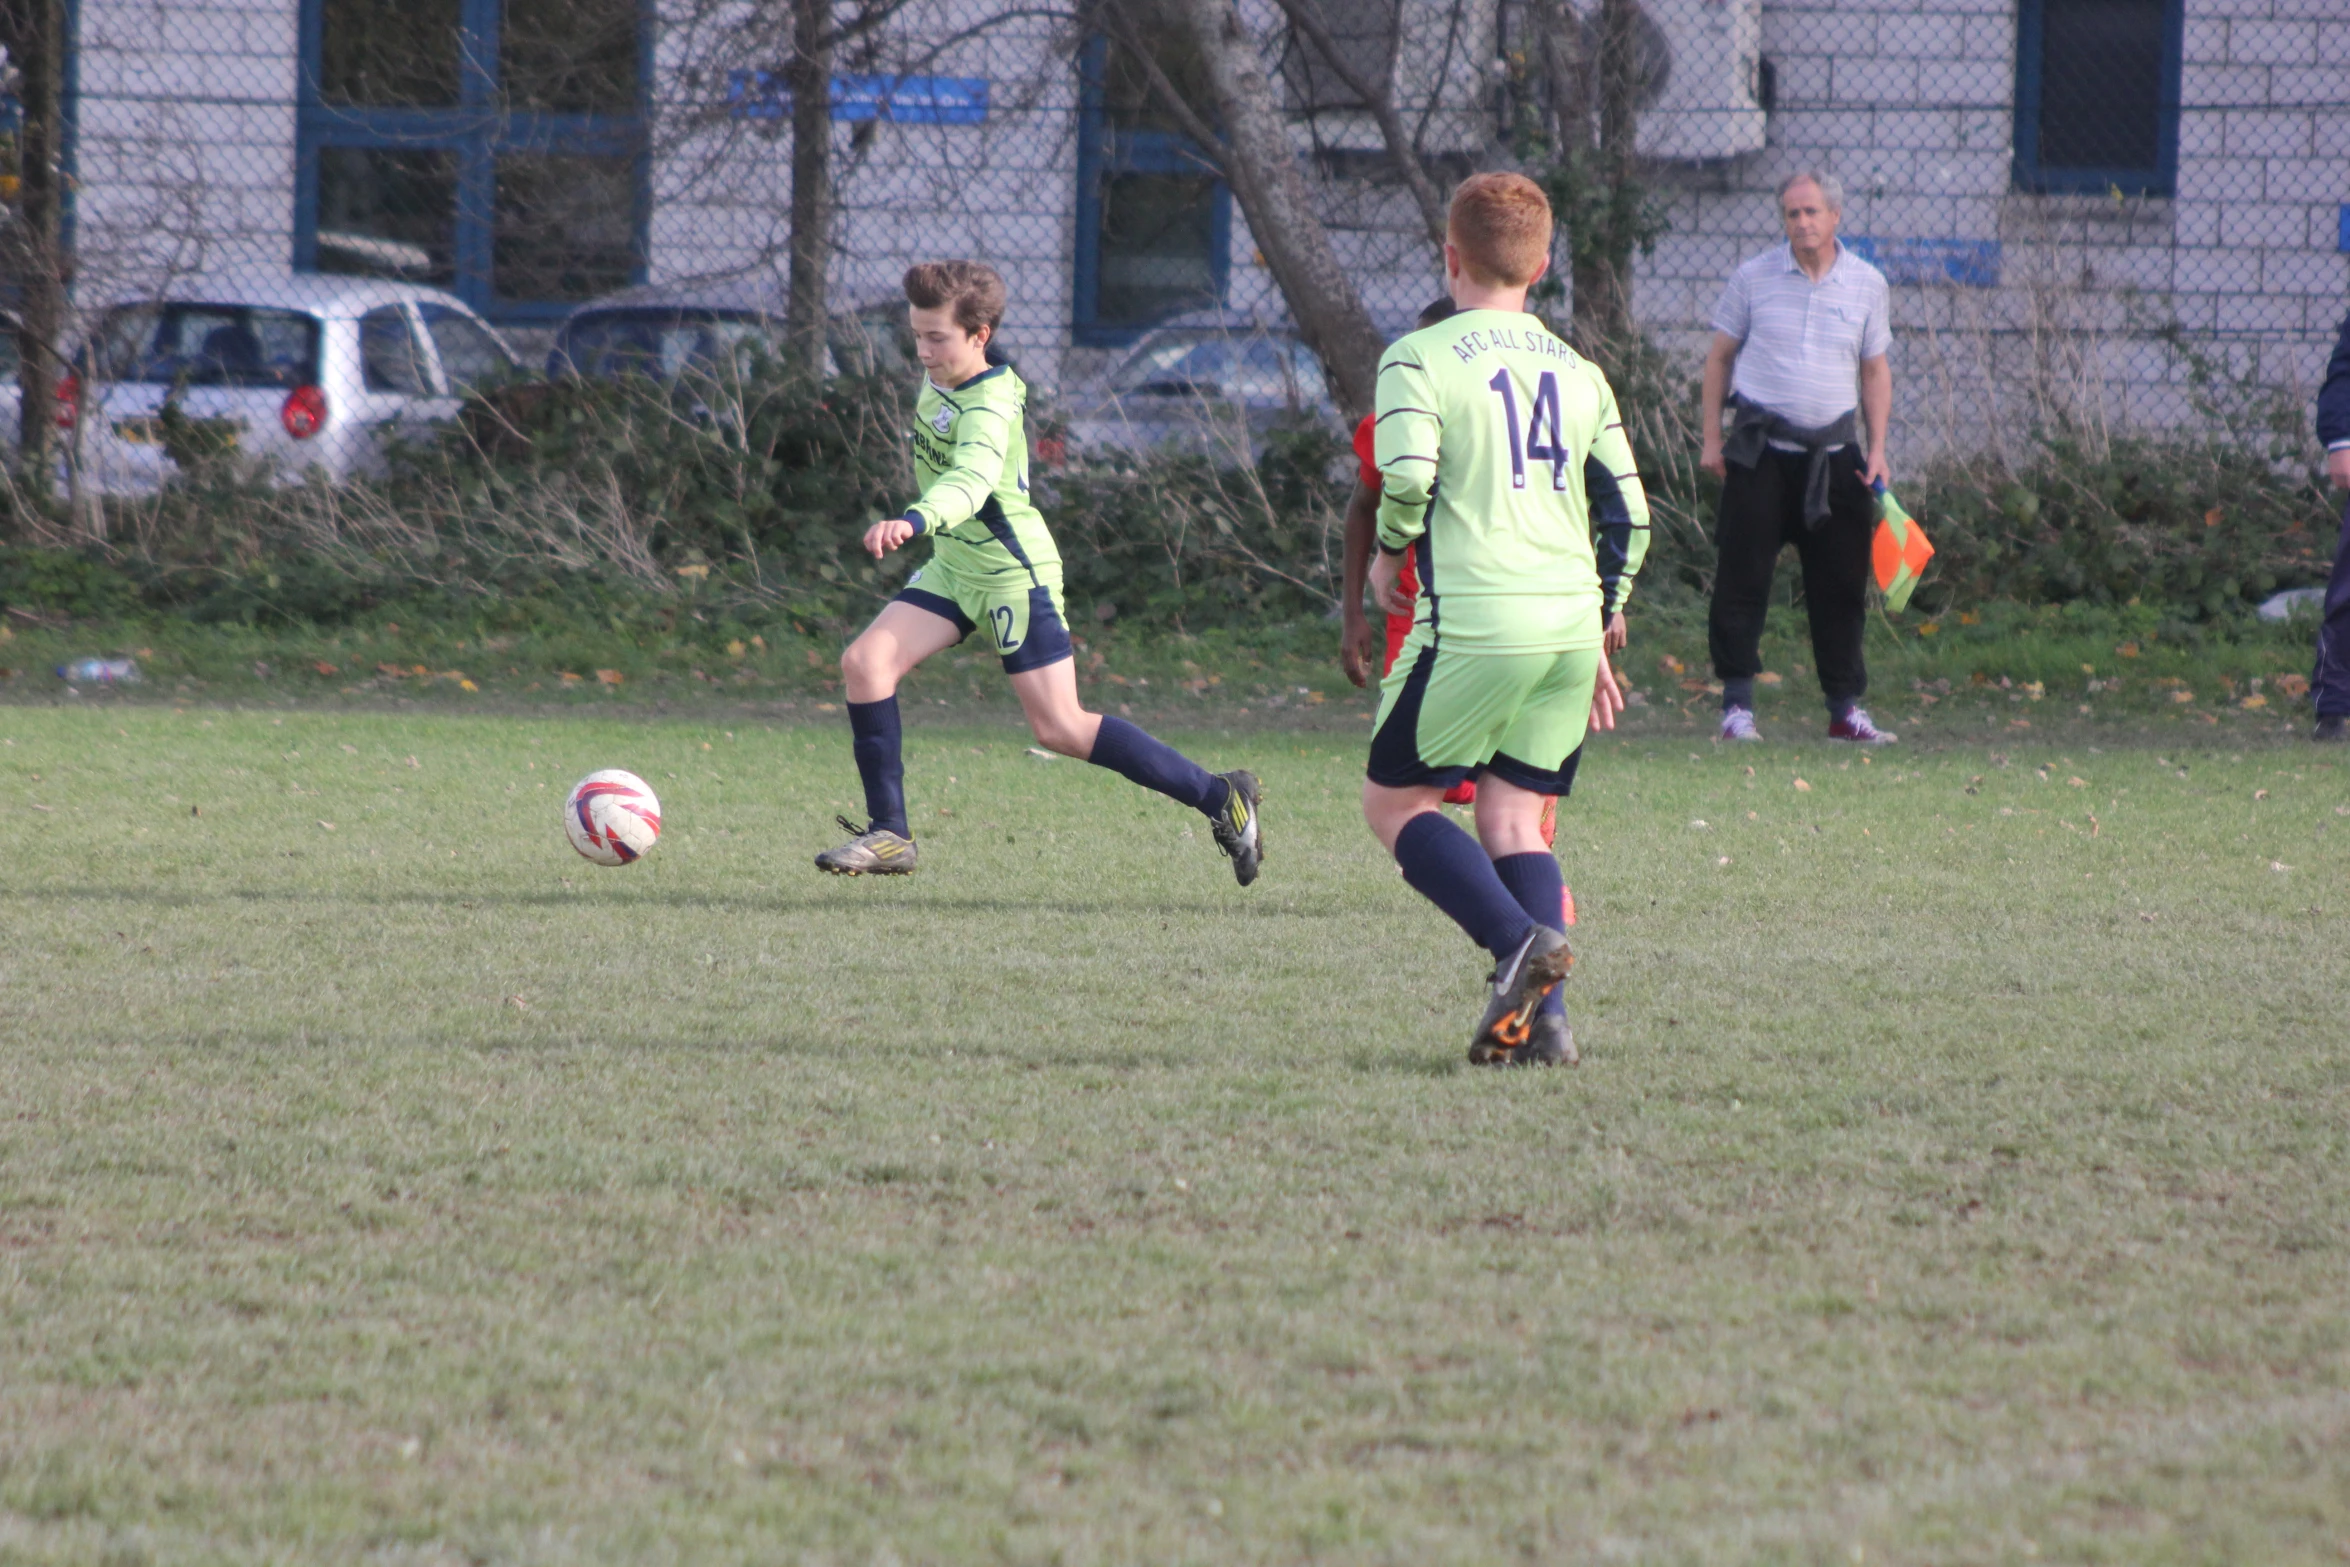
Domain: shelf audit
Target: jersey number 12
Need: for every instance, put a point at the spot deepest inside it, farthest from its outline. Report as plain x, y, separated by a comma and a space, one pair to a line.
1532, 446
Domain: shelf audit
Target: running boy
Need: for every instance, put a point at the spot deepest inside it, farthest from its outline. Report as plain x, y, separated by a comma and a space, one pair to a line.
1506, 471
992, 564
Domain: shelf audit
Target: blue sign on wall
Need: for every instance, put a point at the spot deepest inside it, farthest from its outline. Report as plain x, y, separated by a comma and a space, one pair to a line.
901, 100
2342, 227
1971, 263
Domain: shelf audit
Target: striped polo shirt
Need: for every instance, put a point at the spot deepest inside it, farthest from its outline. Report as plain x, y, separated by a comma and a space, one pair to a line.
1800, 342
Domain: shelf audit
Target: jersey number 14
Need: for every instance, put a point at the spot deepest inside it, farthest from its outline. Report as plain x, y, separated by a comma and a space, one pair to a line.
1533, 445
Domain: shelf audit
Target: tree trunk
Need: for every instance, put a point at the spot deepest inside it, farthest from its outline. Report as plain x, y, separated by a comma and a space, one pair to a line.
39, 47
1262, 168
1592, 76
1609, 316
808, 75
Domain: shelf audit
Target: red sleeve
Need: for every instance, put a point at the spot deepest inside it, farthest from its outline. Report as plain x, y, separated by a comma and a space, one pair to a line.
1368, 469
1410, 579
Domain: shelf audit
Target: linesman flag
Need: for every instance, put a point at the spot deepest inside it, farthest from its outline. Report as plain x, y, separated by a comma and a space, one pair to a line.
1899, 551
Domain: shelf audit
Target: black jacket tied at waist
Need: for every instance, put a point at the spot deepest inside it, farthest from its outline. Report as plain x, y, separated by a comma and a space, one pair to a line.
1752, 427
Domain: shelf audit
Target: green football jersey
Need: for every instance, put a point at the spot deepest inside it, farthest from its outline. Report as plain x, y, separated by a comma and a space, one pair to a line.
971, 457
1506, 470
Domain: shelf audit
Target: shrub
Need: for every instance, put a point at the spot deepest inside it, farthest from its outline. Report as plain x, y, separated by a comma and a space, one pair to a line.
80, 583
739, 500
2200, 526
1179, 539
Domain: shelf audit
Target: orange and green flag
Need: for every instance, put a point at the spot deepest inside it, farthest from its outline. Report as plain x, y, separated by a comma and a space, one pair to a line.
1899, 551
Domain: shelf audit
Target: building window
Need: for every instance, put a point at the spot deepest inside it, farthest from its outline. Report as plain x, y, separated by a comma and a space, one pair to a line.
494, 148
2097, 95
1154, 219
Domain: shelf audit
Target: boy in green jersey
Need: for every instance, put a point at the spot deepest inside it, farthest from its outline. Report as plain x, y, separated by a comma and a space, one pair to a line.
1506, 472
992, 566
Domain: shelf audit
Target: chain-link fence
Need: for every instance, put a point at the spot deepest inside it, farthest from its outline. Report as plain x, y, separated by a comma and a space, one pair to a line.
2094, 210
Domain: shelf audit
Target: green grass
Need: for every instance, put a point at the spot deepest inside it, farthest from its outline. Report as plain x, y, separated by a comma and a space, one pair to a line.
1956, 1173
2126, 662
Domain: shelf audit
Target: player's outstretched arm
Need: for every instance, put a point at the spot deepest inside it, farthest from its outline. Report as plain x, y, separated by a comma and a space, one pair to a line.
887, 535
982, 436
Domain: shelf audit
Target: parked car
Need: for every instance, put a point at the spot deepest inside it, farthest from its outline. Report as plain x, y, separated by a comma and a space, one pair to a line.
1201, 380
300, 373
673, 331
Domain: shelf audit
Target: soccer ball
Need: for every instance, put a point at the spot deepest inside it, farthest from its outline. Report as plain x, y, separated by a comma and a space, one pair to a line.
612, 817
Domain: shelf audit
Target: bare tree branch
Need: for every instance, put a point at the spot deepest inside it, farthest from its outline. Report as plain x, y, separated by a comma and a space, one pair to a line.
1454, 11
1261, 164
1306, 17
868, 20
1119, 26
993, 20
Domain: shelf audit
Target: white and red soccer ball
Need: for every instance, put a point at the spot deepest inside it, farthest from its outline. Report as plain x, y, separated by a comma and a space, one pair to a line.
612, 817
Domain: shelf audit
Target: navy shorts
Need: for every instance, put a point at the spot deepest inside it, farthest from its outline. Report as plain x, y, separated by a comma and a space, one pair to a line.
1024, 624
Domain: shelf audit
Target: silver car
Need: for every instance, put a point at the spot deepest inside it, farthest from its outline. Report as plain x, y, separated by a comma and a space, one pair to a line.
1210, 380
672, 332
301, 374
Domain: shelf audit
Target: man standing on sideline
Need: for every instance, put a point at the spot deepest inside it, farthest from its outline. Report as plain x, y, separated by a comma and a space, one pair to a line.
1800, 336
2329, 688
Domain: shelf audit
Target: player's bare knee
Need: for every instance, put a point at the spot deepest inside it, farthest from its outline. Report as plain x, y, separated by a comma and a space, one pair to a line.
1384, 814
1060, 735
861, 662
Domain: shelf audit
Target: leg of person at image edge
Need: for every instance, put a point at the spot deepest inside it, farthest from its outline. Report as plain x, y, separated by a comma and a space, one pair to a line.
1746, 532
905, 634
1762, 511
2329, 685
1835, 560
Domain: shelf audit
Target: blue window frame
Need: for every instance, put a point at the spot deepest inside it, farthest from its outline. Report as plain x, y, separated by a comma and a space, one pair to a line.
2097, 95
495, 148
1154, 219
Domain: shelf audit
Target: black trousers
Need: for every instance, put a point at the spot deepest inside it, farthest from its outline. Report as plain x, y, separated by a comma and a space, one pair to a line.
1762, 511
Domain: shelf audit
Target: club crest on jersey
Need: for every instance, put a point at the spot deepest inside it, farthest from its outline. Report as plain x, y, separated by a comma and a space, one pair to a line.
943, 420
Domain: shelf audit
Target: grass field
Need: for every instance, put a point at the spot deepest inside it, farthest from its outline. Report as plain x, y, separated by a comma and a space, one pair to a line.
2130, 663
1957, 1172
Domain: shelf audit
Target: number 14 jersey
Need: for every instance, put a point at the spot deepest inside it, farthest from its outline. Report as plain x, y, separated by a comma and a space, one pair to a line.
1508, 474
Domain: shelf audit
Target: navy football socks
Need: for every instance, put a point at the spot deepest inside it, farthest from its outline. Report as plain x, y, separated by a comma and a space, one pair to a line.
875, 741
1448, 867
1541, 890
1127, 750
